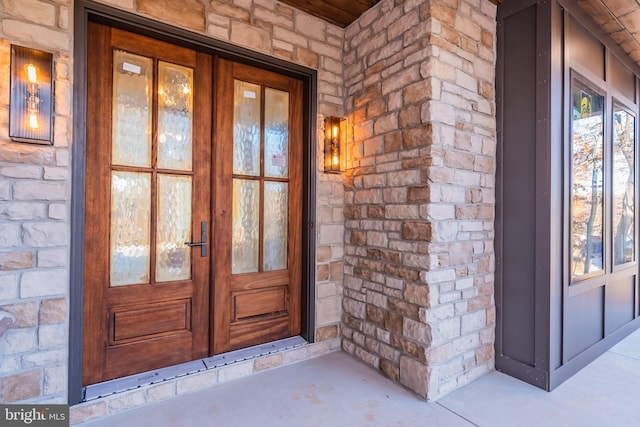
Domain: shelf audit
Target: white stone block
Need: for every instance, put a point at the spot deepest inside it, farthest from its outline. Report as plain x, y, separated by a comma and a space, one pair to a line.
44, 358
57, 211
197, 381
9, 364
36, 34
446, 330
55, 380
235, 371
250, 36
310, 26
5, 190
19, 341
331, 233
474, 321
31, 10
45, 234
127, 400
326, 290
22, 171
52, 258
328, 310
294, 355
9, 235
158, 392
38, 190
56, 173
62, 157
43, 283
22, 210
50, 336
8, 286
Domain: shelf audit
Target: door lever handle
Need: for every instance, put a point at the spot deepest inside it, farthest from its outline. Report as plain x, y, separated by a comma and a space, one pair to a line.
203, 240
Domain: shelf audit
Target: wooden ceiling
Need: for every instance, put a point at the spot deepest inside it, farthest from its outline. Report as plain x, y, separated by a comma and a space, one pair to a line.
339, 12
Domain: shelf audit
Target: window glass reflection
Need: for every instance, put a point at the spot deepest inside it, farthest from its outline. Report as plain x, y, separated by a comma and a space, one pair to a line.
623, 214
587, 180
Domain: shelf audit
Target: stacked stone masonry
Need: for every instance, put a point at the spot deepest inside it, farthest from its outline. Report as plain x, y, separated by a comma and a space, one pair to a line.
419, 202
34, 219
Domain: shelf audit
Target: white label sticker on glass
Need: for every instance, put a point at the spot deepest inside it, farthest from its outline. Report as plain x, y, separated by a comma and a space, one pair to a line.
135, 69
278, 160
249, 94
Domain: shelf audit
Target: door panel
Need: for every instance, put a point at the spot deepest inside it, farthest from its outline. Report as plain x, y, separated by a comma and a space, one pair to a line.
148, 157
258, 206
164, 173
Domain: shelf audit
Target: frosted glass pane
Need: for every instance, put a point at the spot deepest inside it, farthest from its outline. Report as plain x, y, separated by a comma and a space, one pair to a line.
276, 133
173, 257
246, 226
131, 126
275, 225
175, 116
624, 125
246, 128
130, 225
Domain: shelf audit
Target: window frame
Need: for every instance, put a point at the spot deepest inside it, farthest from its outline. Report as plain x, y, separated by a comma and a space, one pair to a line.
575, 76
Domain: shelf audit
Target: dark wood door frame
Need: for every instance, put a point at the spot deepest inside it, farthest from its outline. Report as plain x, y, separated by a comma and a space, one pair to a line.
85, 11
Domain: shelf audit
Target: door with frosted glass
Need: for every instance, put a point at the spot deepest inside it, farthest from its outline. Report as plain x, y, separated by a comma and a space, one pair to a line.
146, 298
258, 207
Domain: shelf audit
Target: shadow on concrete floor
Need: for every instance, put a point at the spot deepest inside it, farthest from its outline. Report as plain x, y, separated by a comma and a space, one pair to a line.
336, 390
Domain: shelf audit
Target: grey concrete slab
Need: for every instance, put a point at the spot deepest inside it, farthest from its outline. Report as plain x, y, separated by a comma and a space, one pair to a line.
332, 390
335, 390
629, 347
605, 393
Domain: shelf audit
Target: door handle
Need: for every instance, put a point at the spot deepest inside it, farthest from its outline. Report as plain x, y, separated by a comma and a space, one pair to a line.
203, 240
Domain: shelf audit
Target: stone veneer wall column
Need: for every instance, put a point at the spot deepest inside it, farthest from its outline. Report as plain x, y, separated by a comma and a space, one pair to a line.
419, 204
35, 193
34, 218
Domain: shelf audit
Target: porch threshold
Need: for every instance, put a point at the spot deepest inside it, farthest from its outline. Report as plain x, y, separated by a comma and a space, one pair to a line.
119, 385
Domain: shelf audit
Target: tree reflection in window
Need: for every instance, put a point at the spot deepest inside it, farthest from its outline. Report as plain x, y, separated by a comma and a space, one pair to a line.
587, 180
623, 214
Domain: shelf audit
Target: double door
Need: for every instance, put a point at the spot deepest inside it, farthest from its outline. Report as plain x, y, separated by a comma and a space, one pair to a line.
193, 205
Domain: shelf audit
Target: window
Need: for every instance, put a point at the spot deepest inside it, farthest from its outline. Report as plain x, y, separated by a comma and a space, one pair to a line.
587, 173
623, 185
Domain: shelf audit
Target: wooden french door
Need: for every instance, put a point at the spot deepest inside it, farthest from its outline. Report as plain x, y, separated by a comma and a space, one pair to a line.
148, 178
258, 206
186, 256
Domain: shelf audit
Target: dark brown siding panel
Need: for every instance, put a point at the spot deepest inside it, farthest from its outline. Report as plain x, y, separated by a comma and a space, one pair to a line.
619, 303
622, 79
585, 49
518, 187
584, 321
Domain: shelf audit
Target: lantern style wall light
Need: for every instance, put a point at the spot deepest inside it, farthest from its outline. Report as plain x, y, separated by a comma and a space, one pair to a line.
335, 133
30, 105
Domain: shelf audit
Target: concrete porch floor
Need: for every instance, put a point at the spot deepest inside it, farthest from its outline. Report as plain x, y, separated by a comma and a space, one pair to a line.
336, 390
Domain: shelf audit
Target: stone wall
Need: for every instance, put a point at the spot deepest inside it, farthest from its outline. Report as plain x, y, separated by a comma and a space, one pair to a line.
34, 218
35, 187
419, 203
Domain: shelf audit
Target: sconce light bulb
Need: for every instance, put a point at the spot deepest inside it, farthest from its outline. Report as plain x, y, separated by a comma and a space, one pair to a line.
335, 160
32, 73
335, 132
33, 121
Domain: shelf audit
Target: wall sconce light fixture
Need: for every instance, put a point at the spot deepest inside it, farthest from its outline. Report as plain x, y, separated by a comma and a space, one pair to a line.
335, 133
30, 106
